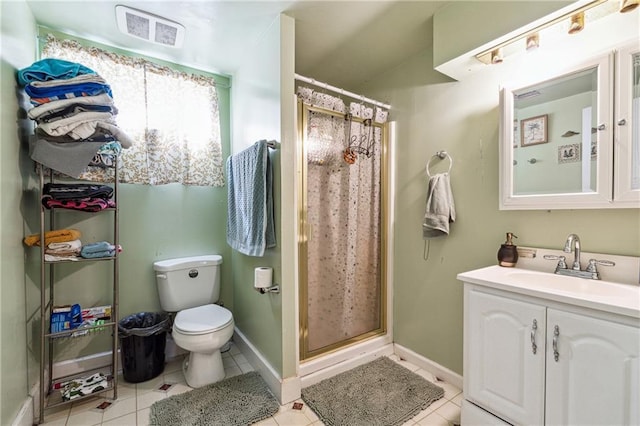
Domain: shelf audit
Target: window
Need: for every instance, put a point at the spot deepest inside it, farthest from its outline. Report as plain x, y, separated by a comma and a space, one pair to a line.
172, 117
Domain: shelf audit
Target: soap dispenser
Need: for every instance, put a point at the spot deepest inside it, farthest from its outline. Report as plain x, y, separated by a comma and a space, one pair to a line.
508, 253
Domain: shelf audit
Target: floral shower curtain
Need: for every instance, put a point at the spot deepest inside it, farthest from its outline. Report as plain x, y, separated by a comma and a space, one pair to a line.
344, 213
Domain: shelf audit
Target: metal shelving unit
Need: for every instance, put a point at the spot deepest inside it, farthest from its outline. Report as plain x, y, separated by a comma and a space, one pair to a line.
50, 396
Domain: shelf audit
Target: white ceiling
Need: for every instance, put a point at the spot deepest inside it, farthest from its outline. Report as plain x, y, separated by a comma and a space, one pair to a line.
343, 43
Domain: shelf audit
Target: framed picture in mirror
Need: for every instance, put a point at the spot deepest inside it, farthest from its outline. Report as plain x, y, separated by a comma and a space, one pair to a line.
533, 130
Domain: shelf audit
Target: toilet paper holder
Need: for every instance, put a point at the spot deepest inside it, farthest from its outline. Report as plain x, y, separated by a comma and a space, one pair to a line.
272, 289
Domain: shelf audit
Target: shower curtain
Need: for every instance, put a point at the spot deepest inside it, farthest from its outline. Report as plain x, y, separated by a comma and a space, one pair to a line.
344, 216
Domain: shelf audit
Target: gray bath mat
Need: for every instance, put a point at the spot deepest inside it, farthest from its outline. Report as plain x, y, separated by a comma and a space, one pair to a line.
238, 400
381, 392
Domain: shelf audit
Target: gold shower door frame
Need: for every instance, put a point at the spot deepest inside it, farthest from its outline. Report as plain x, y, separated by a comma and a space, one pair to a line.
303, 233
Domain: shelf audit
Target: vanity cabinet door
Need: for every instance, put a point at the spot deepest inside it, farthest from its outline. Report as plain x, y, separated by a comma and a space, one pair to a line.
502, 371
593, 371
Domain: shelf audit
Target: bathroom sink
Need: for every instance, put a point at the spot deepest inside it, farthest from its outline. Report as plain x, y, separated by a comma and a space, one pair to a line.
597, 294
575, 285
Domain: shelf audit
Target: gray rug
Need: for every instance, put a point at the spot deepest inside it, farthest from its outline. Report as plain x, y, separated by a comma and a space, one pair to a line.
238, 400
381, 392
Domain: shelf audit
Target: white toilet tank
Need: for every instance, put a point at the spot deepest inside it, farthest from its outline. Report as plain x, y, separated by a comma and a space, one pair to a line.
188, 282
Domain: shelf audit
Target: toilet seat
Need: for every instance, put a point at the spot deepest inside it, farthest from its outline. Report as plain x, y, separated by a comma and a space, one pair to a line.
202, 319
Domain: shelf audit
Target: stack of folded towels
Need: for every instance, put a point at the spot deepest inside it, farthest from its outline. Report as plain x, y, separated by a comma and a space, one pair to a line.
77, 196
74, 110
65, 244
60, 244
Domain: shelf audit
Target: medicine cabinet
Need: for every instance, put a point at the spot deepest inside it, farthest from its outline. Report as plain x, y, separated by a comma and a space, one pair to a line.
573, 141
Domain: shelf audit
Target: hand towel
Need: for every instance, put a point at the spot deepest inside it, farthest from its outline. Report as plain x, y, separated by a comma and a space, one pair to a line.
56, 236
440, 210
250, 223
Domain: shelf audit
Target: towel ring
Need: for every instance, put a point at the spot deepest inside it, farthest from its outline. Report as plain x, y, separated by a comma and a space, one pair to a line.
441, 155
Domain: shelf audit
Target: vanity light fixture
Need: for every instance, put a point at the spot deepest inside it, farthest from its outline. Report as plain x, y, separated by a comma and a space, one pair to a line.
628, 5
533, 41
577, 23
496, 56
578, 15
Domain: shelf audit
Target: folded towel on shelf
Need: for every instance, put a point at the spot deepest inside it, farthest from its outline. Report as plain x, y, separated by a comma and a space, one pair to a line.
96, 247
38, 87
55, 236
66, 248
79, 126
100, 249
39, 111
72, 191
85, 204
51, 69
440, 210
70, 158
84, 85
58, 258
99, 254
250, 223
73, 110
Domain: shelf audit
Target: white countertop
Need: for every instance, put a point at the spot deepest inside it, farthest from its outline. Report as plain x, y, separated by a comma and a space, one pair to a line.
622, 299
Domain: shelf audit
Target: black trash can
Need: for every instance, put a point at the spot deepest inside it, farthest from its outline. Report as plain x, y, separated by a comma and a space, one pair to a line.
143, 337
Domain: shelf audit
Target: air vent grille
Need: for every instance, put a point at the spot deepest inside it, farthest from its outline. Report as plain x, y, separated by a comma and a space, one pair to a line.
146, 26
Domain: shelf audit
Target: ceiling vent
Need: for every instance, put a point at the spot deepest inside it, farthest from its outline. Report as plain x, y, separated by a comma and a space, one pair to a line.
147, 26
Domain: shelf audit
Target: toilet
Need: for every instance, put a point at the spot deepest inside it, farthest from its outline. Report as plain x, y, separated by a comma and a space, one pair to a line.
189, 287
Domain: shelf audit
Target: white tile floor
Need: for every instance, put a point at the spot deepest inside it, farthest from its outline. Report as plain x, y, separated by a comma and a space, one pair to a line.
134, 401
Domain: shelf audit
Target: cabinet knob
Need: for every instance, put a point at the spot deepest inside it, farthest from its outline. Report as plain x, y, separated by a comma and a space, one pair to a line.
602, 127
622, 122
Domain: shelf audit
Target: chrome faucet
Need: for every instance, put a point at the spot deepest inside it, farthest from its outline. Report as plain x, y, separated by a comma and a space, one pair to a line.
574, 240
590, 271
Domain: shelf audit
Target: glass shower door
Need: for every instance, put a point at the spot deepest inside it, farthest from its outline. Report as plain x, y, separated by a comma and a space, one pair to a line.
343, 266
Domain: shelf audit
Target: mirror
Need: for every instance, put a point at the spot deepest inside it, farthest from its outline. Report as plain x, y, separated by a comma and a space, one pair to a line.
555, 136
556, 143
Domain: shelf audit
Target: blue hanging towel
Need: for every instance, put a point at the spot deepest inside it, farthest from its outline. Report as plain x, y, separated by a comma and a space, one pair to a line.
250, 223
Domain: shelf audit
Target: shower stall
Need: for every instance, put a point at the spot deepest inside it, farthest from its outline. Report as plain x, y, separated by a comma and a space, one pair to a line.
342, 245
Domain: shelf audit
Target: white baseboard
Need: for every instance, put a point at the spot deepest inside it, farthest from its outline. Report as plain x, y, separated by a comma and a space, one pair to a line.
285, 390
432, 367
25, 416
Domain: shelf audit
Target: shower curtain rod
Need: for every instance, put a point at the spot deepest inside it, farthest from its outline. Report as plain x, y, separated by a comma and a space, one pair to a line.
341, 91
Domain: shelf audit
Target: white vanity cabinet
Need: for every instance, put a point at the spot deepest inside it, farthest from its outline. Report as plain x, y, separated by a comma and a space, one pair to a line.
532, 361
501, 371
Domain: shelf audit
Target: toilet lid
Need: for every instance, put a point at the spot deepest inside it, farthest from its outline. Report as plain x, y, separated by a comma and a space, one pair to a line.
202, 319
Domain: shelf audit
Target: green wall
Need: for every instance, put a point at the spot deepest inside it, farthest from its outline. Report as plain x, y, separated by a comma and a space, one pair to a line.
256, 116
434, 113
18, 50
